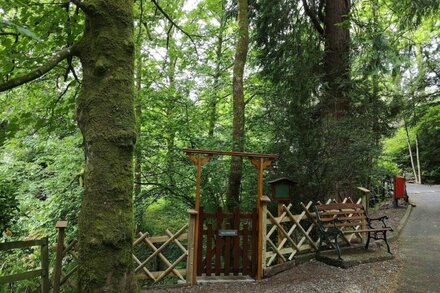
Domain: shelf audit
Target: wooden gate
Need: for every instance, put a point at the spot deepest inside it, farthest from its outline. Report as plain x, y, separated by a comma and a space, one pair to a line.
227, 243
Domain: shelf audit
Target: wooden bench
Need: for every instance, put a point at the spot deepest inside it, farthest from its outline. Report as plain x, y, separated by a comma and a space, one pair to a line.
340, 219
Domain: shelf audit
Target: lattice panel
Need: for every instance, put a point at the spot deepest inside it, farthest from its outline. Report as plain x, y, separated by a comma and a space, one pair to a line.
154, 251
166, 241
289, 234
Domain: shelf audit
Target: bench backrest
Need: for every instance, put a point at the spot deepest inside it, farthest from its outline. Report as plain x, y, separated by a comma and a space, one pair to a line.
346, 214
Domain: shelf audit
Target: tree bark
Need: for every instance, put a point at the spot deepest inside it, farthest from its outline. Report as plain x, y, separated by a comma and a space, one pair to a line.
410, 151
39, 71
235, 173
336, 58
418, 160
335, 104
105, 114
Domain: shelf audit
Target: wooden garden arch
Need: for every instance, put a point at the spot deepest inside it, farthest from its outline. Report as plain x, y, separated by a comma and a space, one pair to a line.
260, 161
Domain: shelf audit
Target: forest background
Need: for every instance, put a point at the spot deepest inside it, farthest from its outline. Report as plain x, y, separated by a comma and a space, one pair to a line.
184, 60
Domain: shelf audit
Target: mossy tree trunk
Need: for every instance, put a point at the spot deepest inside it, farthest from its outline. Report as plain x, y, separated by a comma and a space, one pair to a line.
105, 113
236, 170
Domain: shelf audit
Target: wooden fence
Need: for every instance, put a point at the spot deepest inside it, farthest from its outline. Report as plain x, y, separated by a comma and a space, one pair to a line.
157, 244
150, 257
289, 234
42, 272
284, 236
66, 260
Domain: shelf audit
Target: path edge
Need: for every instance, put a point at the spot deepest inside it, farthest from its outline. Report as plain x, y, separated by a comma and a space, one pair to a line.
402, 224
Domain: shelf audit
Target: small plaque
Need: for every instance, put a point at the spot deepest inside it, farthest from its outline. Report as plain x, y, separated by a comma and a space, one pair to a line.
227, 233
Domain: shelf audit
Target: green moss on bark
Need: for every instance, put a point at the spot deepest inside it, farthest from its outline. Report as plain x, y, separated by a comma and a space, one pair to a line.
106, 118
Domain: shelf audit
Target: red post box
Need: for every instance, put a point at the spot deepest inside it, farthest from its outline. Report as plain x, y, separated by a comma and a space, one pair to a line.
399, 187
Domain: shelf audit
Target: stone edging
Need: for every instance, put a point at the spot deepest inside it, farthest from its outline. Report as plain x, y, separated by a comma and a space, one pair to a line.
402, 224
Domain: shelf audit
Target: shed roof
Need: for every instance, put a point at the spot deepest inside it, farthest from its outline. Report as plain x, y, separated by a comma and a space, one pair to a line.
282, 179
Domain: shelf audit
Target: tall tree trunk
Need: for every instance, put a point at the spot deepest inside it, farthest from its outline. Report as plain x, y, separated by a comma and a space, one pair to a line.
336, 101
419, 81
410, 151
235, 172
105, 114
335, 104
336, 58
418, 160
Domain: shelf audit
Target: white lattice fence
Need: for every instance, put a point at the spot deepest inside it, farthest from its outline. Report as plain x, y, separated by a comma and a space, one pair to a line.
290, 234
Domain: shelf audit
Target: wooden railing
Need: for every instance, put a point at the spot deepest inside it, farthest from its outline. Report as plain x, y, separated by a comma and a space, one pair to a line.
289, 234
42, 272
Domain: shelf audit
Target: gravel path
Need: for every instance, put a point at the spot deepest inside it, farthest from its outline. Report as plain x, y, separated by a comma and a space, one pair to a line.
313, 277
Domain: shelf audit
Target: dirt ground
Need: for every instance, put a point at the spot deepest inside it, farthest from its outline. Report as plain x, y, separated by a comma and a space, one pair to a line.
314, 276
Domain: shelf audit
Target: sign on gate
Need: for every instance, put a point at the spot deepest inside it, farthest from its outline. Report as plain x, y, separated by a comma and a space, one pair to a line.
227, 233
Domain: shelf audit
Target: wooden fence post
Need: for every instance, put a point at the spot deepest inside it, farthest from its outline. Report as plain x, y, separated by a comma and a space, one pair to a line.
60, 225
280, 236
364, 202
191, 276
45, 285
263, 225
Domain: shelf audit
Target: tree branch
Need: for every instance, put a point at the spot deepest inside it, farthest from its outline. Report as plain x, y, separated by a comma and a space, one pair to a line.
87, 9
320, 10
173, 23
38, 72
313, 18
15, 35
8, 34
250, 99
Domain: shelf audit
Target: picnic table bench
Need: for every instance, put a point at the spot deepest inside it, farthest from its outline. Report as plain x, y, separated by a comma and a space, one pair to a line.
339, 219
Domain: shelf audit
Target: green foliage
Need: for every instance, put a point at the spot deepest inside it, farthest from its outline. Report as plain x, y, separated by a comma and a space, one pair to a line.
155, 214
428, 130
186, 102
45, 172
396, 157
8, 204
18, 28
